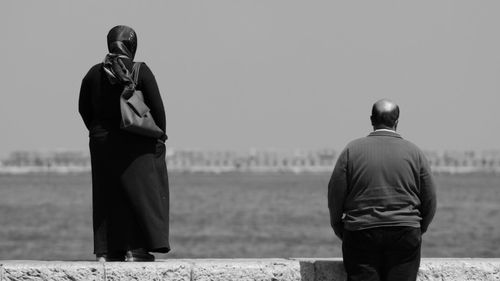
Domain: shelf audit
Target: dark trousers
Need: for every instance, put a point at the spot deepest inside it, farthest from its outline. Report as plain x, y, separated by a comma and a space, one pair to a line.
384, 253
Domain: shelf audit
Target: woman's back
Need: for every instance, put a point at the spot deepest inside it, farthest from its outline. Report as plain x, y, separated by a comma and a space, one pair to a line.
130, 195
99, 98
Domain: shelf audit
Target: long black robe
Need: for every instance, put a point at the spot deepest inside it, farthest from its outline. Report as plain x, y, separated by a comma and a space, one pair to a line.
129, 173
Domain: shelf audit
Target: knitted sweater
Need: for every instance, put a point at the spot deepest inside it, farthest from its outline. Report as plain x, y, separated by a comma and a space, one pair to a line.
381, 180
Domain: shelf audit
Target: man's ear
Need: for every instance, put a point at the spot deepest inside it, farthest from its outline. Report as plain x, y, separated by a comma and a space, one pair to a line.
372, 119
396, 124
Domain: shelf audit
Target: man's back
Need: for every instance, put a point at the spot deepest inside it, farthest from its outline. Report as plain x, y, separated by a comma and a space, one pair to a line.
381, 198
385, 174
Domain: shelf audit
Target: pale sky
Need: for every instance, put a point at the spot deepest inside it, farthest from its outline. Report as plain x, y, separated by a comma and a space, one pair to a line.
239, 74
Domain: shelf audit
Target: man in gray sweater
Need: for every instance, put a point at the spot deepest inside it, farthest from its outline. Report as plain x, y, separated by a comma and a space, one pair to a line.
382, 199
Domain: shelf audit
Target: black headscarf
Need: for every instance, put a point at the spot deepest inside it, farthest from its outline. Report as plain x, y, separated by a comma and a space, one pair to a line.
122, 40
122, 44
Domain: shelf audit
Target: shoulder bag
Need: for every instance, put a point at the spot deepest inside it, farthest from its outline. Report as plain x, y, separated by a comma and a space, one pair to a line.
136, 116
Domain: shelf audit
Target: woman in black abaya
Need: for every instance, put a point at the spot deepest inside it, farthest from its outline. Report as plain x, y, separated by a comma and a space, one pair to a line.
130, 194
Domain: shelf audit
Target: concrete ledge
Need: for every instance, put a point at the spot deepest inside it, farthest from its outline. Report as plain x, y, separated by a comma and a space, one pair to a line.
233, 269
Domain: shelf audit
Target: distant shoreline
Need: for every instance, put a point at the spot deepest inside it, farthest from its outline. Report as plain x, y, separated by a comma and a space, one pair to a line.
256, 161
23, 170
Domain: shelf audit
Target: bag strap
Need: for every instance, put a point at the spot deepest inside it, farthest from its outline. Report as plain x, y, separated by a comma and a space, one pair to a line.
135, 72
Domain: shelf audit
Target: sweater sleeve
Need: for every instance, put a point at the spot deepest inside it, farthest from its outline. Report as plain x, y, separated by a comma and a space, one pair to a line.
152, 96
427, 194
85, 101
337, 188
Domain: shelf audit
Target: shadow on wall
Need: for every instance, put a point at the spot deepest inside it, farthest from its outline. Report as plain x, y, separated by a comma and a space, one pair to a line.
322, 270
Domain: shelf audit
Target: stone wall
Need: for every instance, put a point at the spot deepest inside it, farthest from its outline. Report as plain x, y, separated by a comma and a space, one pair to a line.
233, 269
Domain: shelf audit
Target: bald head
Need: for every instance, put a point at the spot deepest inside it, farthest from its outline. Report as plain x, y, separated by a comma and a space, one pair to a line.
385, 114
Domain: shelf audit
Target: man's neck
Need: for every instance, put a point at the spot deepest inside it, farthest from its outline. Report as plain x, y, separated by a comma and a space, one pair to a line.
384, 130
